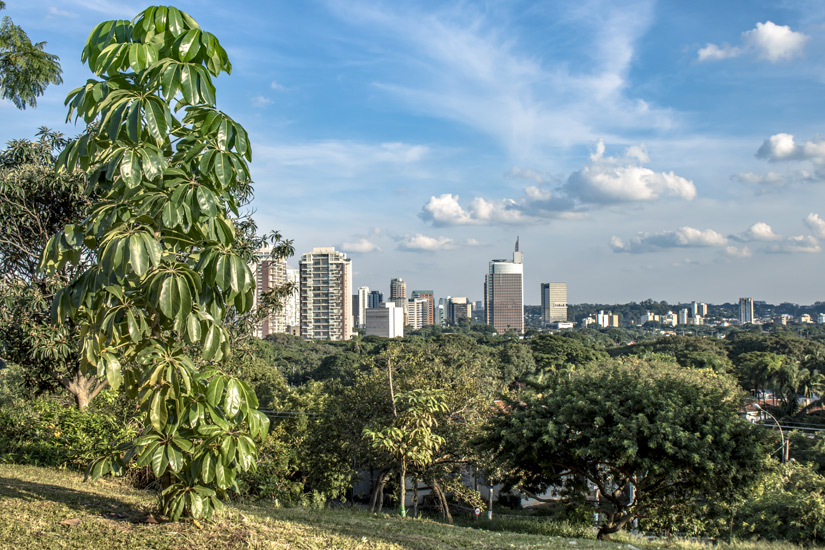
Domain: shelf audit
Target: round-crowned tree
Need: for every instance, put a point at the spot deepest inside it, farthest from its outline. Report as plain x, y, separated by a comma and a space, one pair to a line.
168, 171
645, 434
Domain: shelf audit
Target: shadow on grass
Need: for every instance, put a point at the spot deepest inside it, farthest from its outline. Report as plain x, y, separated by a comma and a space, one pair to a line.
82, 501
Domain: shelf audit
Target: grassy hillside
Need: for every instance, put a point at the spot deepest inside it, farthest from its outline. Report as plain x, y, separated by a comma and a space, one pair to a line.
107, 514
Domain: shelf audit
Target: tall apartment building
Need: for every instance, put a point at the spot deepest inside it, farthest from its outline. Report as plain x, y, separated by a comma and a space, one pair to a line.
699, 308
418, 313
292, 305
553, 302
398, 289
271, 274
430, 297
326, 295
504, 294
745, 310
375, 298
386, 320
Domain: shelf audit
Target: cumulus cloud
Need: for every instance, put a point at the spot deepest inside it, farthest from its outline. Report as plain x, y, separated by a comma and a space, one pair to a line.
760, 231
734, 252
361, 245
604, 181
684, 237
277, 86
424, 243
816, 225
782, 147
611, 180
797, 243
767, 41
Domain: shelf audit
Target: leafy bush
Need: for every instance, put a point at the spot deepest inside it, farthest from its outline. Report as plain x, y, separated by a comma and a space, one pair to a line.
788, 506
49, 432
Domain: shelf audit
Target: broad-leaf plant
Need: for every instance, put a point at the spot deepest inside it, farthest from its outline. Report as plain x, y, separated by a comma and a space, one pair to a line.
169, 170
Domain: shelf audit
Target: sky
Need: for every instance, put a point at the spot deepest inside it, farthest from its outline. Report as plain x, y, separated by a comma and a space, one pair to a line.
640, 149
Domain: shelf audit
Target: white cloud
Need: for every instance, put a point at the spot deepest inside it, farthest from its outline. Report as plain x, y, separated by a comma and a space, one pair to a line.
816, 225
684, 237
605, 181
760, 231
277, 86
610, 180
61, 13
775, 42
343, 154
782, 147
470, 67
767, 41
261, 101
528, 174
734, 252
361, 245
712, 52
798, 243
424, 243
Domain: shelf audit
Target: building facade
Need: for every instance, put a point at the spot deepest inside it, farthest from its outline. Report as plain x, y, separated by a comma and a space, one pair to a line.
553, 303
386, 320
504, 294
745, 311
428, 295
270, 275
375, 299
326, 295
360, 305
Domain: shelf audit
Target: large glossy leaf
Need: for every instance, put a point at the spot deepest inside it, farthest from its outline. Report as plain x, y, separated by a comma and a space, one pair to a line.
158, 414
232, 398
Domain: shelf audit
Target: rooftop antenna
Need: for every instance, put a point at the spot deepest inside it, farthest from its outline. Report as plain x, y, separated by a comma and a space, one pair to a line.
516, 244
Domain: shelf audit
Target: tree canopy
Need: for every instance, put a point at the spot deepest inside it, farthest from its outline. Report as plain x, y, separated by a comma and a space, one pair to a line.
641, 432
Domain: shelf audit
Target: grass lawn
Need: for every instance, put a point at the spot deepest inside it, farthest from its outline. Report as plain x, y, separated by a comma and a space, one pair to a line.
34, 501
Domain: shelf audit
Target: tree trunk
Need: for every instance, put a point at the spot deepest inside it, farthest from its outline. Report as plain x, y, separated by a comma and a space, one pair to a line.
378, 492
616, 523
402, 490
442, 501
83, 388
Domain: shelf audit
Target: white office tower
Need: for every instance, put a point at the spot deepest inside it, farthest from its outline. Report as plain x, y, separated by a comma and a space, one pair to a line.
504, 294
745, 311
683, 316
326, 295
418, 313
361, 311
553, 303
270, 275
387, 320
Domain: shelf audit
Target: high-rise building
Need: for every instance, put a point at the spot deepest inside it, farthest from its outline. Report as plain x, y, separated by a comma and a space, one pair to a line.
608, 319
292, 305
398, 289
504, 294
553, 302
458, 307
418, 313
684, 316
326, 295
375, 299
698, 308
270, 275
430, 297
745, 311
360, 303
386, 320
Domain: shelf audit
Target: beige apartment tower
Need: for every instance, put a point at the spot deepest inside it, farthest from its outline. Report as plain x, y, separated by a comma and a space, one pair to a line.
272, 274
326, 295
504, 294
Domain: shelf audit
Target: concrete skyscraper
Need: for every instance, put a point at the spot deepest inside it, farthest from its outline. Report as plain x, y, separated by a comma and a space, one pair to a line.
375, 299
326, 295
360, 304
504, 294
553, 303
745, 310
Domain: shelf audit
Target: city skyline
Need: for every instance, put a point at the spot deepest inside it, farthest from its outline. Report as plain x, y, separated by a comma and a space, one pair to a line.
639, 149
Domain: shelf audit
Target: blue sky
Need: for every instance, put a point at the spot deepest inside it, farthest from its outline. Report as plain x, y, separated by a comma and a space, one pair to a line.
665, 150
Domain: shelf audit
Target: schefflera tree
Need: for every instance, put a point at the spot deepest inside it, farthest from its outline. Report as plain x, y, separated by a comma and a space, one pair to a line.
162, 274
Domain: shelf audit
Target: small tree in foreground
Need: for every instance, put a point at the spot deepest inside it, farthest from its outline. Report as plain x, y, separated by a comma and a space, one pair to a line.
159, 240
650, 436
